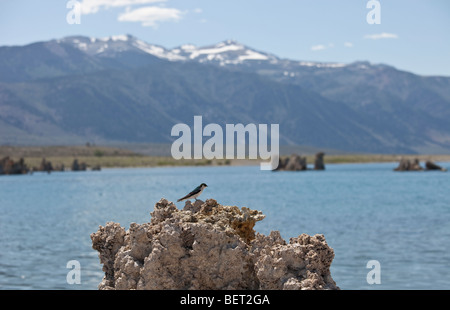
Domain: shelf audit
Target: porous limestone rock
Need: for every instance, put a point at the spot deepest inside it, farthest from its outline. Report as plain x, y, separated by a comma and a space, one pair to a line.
319, 161
432, 166
414, 165
293, 163
9, 166
209, 246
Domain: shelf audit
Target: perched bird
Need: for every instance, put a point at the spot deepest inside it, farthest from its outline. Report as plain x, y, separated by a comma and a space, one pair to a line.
195, 193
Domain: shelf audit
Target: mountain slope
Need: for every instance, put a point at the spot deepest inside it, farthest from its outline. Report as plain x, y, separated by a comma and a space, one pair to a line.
142, 105
120, 88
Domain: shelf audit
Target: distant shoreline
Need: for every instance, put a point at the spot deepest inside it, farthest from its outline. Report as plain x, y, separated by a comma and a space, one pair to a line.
109, 157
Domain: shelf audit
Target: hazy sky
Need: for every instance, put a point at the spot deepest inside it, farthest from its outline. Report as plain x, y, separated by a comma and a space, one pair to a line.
414, 35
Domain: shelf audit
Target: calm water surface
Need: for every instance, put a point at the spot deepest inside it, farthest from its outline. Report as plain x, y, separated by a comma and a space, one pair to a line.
366, 212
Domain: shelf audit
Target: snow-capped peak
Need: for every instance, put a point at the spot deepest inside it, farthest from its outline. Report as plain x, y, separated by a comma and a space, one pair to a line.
228, 52
188, 47
224, 53
157, 51
109, 46
121, 38
214, 50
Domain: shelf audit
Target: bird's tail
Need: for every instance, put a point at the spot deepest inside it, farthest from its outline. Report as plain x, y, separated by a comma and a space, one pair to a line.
179, 199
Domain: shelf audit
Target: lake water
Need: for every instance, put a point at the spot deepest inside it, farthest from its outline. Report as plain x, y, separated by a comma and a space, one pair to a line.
366, 212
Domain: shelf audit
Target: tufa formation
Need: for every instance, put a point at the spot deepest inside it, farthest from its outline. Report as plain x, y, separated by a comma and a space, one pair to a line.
207, 246
414, 165
296, 162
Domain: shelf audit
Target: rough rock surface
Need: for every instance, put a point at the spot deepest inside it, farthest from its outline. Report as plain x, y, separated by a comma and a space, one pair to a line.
45, 166
8, 166
209, 246
319, 162
78, 166
293, 163
432, 166
414, 165
407, 165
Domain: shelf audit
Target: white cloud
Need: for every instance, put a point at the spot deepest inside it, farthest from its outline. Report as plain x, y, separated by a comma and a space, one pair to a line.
318, 47
382, 35
321, 47
197, 10
151, 15
93, 6
348, 44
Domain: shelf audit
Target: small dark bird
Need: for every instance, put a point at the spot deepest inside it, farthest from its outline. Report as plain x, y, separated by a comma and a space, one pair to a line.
195, 193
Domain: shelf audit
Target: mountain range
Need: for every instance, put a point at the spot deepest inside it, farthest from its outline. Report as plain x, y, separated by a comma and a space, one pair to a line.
121, 89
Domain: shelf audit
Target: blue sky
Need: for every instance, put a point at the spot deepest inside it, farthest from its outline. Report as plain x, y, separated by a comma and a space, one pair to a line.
414, 35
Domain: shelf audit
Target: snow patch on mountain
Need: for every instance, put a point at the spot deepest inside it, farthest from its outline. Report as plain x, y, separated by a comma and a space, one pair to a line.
252, 55
157, 51
321, 64
224, 53
215, 50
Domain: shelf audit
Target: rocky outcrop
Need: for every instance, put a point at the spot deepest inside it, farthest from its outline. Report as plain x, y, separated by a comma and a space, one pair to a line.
78, 166
296, 162
407, 165
319, 162
9, 166
209, 246
414, 165
293, 163
432, 166
45, 166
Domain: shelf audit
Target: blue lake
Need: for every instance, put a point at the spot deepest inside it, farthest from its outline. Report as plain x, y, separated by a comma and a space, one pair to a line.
366, 212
